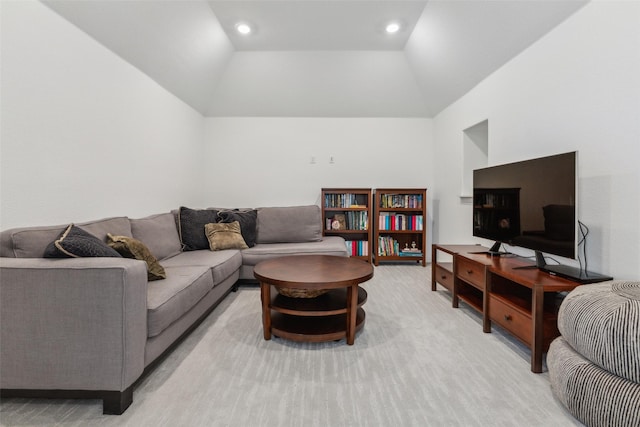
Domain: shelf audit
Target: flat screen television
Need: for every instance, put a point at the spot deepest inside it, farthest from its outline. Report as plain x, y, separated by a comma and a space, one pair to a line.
531, 203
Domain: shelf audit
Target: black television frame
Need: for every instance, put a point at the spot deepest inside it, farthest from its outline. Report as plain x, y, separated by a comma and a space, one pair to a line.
508, 198
530, 203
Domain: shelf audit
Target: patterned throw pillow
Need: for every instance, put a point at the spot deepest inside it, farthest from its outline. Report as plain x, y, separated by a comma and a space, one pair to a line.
129, 247
191, 227
74, 242
225, 236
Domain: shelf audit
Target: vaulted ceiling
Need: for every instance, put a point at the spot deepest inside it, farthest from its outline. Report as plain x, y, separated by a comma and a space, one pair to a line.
317, 58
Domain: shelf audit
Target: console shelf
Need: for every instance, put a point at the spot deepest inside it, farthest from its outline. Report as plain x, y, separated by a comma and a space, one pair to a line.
323, 318
524, 302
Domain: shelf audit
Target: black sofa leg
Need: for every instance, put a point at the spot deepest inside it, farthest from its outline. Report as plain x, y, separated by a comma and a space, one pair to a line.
116, 402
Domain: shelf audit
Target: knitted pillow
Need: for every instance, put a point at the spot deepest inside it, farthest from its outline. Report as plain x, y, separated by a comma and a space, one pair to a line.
74, 242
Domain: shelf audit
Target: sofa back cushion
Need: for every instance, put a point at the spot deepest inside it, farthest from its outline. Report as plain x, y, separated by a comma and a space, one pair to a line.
32, 241
292, 224
159, 233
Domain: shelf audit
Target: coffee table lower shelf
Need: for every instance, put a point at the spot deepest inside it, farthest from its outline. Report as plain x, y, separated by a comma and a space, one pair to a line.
319, 319
313, 329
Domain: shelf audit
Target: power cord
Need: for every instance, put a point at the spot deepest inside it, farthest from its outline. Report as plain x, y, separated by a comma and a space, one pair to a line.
584, 231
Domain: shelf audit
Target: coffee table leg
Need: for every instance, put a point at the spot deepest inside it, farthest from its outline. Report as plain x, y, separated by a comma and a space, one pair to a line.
265, 295
352, 311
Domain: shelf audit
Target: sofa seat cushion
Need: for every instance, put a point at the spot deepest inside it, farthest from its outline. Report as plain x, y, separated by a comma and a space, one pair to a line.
602, 322
170, 299
222, 263
330, 245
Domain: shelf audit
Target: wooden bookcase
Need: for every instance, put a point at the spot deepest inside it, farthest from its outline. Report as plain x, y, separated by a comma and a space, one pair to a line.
400, 223
346, 212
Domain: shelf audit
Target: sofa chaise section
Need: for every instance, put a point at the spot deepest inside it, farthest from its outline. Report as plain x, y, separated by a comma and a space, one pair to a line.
89, 327
73, 328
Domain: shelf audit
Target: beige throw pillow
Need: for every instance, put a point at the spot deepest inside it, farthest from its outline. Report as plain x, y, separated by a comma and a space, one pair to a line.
129, 247
224, 236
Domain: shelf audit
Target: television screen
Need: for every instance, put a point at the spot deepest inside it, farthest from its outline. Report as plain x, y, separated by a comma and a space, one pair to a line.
530, 203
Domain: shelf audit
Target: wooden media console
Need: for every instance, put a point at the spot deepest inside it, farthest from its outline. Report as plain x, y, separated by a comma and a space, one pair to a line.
524, 301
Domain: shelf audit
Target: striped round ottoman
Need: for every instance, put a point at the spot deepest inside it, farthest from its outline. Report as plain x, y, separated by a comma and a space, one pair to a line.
594, 367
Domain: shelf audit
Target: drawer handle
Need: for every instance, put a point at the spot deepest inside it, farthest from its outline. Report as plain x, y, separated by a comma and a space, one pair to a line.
469, 271
443, 277
507, 317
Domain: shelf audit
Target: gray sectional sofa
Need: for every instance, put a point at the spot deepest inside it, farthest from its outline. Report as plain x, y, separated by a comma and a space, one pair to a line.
89, 327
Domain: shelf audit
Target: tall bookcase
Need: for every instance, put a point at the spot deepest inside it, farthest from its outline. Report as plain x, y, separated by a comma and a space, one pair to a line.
400, 232
346, 212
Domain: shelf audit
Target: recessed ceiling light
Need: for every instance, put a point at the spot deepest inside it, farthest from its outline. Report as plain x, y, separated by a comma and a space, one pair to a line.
243, 28
392, 27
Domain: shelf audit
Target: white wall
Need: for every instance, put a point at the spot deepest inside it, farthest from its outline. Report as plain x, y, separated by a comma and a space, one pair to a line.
84, 134
266, 161
578, 88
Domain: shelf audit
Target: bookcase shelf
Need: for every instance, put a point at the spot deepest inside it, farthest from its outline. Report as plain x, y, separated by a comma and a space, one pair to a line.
346, 212
400, 224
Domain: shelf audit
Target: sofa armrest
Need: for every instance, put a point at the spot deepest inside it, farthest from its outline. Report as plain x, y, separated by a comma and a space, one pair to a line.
72, 324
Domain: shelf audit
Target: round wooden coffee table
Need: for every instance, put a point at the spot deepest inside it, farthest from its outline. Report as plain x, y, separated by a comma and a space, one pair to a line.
331, 316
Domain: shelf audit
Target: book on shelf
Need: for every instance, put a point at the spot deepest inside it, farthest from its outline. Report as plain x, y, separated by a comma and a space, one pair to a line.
390, 221
410, 201
388, 246
350, 220
411, 253
345, 200
357, 247
357, 220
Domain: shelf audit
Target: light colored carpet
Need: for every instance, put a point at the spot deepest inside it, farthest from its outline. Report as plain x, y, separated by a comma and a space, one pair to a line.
417, 362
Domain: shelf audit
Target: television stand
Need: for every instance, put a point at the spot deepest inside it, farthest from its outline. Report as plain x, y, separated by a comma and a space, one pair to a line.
507, 292
494, 250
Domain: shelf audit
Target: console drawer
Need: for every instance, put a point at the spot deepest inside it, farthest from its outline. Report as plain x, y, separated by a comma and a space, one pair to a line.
512, 319
444, 277
471, 272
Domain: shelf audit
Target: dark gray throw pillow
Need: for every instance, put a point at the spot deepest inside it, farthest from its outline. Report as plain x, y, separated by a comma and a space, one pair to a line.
191, 223
247, 220
74, 242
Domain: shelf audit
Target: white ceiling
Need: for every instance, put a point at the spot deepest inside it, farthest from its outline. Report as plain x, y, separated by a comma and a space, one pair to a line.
318, 25
319, 58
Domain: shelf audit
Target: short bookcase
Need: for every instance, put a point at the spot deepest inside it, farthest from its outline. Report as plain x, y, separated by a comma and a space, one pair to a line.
400, 225
346, 212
